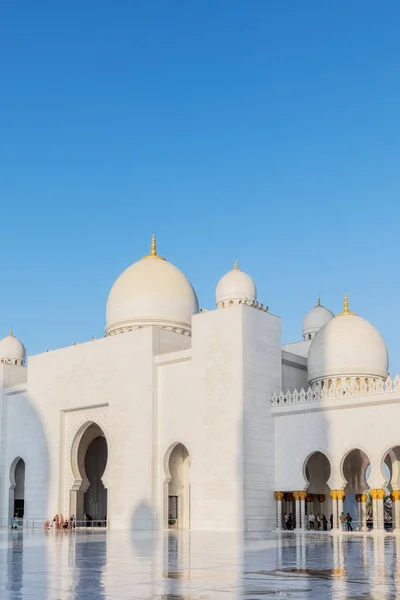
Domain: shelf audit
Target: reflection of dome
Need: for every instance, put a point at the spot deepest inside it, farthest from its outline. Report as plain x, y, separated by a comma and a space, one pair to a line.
12, 351
151, 292
234, 287
347, 347
316, 318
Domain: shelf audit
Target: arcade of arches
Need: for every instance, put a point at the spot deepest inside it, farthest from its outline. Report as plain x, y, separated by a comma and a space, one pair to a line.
376, 509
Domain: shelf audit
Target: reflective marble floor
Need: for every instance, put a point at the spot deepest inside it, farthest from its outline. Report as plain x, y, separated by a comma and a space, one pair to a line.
94, 565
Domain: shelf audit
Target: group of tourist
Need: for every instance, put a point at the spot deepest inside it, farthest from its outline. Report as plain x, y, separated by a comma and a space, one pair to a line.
59, 523
315, 522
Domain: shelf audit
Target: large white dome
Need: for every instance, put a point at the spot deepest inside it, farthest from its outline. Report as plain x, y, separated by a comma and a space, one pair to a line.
12, 351
348, 346
234, 287
315, 319
151, 292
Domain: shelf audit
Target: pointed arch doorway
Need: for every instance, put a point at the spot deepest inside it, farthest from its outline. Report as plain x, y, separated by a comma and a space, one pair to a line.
177, 487
17, 489
89, 462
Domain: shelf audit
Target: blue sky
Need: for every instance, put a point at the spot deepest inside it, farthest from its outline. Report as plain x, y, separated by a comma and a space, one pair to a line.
263, 131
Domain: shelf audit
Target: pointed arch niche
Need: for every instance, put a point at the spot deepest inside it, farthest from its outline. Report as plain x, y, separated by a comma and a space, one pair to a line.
177, 487
17, 489
89, 455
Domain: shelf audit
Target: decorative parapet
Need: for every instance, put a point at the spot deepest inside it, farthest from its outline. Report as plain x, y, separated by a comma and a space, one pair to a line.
247, 301
254, 304
332, 388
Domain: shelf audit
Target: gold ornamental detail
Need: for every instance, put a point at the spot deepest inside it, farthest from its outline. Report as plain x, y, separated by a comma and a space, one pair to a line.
153, 250
377, 494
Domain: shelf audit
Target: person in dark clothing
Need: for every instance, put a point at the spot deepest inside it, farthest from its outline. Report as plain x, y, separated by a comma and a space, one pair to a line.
331, 521
324, 523
348, 522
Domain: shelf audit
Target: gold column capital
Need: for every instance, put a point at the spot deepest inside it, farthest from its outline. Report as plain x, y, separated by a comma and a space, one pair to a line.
279, 495
396, 495
300, 495
338, 494
364, 497
377, 494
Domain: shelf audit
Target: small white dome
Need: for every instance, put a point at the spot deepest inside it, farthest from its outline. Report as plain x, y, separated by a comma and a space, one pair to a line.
347, 346
315, 319
151, 292
12, 351
234, 287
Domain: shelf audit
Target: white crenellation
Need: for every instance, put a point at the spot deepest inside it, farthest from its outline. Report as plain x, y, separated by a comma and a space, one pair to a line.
332, 388
246, 301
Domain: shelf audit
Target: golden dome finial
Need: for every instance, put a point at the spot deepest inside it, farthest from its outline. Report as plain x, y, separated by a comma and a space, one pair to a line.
153, 246
236, 266
11, 332
153, 251
319, 301
346, 306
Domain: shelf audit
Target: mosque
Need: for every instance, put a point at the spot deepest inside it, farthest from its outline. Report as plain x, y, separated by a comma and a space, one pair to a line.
194, 419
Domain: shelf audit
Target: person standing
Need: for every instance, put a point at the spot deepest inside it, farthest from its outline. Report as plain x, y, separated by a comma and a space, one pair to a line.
342, 520
311, 521
348, 522
286, 519
324, 523
331, 521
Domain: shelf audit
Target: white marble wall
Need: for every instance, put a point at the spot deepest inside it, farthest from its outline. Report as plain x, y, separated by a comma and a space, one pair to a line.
149, 390
334, 427
262, 375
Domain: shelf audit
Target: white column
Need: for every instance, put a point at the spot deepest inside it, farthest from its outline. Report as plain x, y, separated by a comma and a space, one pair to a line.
364, 512
340, 496
381, 513
303, 512
396, 506
374, 510
358, 520
298, 519
334, 510
279, 496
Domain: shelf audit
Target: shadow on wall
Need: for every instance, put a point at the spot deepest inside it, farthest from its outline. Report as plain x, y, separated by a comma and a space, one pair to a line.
27, 440
142, 519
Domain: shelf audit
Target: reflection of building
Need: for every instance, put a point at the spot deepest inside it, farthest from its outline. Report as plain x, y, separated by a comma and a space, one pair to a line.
176, 417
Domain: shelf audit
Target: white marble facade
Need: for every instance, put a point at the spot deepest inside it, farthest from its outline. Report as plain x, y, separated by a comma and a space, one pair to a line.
184, 418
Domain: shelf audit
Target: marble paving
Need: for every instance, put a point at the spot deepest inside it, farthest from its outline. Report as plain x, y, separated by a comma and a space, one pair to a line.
94, 565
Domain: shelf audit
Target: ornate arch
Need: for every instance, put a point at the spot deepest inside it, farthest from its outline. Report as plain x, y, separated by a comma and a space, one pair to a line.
13, 466
76, 422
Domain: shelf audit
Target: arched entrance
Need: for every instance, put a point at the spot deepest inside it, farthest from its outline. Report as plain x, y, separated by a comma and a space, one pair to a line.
89, 461
391, 473
355, 471
317, 471
177, 487
17, 489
